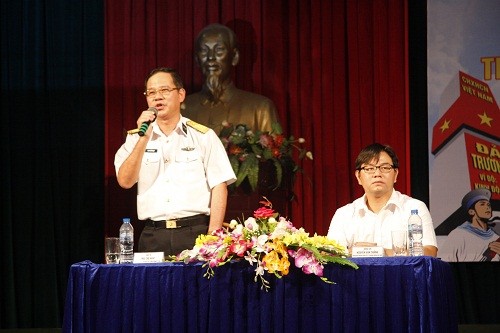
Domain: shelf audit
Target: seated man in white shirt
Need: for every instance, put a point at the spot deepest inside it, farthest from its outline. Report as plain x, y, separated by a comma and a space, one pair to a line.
370, 219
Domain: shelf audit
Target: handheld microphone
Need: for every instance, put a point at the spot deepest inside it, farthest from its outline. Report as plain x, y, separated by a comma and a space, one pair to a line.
145, 125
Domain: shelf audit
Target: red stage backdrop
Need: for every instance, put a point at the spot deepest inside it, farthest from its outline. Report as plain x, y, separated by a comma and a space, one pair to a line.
336, 70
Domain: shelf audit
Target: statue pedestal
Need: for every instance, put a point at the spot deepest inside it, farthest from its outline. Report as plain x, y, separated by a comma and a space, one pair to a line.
242, 202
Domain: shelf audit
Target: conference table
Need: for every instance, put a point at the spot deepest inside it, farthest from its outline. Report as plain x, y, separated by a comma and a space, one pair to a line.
390, 294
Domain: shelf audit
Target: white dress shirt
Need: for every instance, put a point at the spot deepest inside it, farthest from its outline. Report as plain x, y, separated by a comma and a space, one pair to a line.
178, 171
354, 222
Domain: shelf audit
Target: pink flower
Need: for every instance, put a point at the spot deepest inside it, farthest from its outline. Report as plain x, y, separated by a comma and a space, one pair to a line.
305, 259
263, 212
240, 247
213, 262
266, 140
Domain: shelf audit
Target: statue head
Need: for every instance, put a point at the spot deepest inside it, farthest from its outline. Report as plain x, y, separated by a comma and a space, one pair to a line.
216, 52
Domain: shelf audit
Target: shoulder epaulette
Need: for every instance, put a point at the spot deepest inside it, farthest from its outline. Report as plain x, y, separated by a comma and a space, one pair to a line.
199, 127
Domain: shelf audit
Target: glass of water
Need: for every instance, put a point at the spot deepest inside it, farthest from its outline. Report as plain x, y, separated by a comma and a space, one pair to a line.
112, 249
399, 242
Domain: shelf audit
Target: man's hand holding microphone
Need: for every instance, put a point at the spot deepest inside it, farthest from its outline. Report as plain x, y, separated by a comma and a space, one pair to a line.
146, 118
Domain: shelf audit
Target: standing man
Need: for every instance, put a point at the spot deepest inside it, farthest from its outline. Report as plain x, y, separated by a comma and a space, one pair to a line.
474, 240
181, 168
216, 52
371, 218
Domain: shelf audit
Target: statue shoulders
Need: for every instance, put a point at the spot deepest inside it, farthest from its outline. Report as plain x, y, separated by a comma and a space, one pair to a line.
195, 98
250, 97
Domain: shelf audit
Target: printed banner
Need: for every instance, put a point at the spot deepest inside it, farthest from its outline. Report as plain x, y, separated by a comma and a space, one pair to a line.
464, 128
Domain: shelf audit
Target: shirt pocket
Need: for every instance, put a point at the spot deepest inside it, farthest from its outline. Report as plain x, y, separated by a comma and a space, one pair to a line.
187, 156
151, 156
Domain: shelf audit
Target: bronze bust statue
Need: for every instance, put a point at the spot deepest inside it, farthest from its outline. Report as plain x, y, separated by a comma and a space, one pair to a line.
216, 52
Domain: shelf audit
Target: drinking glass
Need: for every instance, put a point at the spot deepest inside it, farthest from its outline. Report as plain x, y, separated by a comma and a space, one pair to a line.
399, 242
112, 248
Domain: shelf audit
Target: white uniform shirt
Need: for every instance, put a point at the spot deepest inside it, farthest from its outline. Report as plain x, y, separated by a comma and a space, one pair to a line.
354, 222
178, 171
467, 243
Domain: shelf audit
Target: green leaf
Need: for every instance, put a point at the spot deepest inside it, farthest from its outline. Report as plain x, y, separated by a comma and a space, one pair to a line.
279, 172
247, 169
276, 128
253, 174
235, 163
240, 177
226, 131
257, 149
342, 261
267, 154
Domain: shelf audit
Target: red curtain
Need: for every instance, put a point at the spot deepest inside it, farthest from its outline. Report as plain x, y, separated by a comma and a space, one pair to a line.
336, 70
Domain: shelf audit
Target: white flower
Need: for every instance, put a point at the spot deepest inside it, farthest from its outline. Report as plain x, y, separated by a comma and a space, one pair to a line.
238, 231
309, 155
260, 243
233, 224
259, 271
302, 140
251, 224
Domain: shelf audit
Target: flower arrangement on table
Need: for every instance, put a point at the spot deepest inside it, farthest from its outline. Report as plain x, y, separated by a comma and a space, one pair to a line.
268, 242
247, 149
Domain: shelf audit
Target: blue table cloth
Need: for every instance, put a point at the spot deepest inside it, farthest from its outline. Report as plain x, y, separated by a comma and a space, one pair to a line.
404, 294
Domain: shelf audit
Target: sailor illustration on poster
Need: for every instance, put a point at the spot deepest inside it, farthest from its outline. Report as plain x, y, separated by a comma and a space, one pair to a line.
475, 239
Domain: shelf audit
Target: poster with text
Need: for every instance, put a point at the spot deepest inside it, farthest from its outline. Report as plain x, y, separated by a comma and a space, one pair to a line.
463, 75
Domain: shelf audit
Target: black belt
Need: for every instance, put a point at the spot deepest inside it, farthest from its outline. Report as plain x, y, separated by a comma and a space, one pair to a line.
200, 219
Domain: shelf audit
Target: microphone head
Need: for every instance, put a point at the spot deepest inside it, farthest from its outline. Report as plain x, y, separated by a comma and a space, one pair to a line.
154, 110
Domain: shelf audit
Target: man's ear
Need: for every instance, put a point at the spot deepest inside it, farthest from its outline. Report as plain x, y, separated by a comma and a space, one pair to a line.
196, 60
471, 212
356, 174
236, 57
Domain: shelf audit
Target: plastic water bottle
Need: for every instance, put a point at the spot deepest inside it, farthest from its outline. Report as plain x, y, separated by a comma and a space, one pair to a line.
415, 234
126, 242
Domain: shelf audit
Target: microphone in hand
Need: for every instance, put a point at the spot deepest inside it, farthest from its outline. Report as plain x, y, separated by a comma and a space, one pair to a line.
145, 125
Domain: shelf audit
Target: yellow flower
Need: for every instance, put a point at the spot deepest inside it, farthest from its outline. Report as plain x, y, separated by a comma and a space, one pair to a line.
272, 261
276, 260
284, 265
204, 239
324, 242
280, 247
297, 238
228, 239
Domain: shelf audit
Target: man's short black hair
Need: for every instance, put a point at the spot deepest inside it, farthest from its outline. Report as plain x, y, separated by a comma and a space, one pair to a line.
372, 152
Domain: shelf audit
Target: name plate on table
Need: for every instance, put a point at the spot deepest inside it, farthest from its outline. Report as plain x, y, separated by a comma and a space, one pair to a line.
148, 257
367, 251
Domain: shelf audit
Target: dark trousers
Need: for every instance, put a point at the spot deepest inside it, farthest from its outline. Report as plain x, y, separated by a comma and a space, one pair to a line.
170, 241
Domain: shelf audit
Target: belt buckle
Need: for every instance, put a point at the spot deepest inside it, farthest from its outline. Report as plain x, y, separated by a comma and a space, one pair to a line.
171, 224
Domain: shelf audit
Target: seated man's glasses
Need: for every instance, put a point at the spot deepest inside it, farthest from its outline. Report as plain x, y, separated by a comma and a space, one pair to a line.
162, 91
384, 168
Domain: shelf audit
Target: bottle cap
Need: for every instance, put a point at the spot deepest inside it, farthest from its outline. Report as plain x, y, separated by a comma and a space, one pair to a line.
126, 220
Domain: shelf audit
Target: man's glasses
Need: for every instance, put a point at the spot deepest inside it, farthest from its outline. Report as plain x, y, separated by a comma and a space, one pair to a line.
384, 168
162, 91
